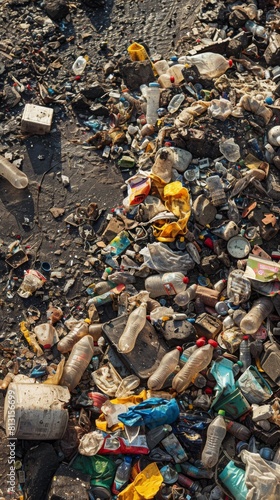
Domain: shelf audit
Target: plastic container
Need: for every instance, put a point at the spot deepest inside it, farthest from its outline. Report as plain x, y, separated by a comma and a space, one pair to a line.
230, 150
209, 65
215, 435
175, 71
77, 362
122, 475
245, 354
238, 287
238, 430
183, 298
161, 67
273, 136
10, 172
79, 65
38, 411
135, 323
175, 103
197, 362
45, 334
156, 435
166, 367
166, 81
80, 330
217, 192
259, 311
256, 29
137, 52
153, 95
166, 284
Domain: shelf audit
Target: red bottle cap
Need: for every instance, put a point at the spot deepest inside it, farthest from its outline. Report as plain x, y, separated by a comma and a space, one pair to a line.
213, 343
179, 348
208, 390
209, 243
245, 337
201, 342
186, 279
230, 62
172, 79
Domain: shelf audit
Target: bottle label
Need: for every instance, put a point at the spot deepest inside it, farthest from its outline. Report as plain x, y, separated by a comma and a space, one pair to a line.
169, 288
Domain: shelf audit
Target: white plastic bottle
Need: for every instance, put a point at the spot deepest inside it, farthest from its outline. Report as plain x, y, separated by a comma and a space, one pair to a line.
79, 65
135, 323
197, 362
166, 284
153, 95
77, 362
260, 309
215, 435
167, 366
183, 298
209, 65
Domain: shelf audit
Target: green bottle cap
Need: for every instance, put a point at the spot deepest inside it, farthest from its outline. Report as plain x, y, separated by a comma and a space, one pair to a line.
222, 412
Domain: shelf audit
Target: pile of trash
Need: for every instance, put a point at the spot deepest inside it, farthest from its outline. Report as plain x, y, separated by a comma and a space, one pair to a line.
165, 384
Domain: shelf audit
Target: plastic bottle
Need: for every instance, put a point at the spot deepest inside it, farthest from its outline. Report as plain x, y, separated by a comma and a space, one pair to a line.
260, 309
103, 287
77, 362
209, 65
192, 486
175, 103
166, 81
167, 366
238, 287
166, 284
79, 65
238, 430
215, 435
161, 66
45, 334
135, 323
175, 73
122, 475
245, 354
273, 136
156, 435
79, 331
153, 95
217, 191
10, 172
183, 298
197, 362
256, 29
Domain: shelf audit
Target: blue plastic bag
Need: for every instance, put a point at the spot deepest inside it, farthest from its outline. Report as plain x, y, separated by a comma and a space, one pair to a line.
151, 412
222, 372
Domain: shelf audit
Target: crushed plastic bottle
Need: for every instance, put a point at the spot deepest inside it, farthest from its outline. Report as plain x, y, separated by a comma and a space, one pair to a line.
80, 330
259, 311
215, 436
166, 367
209, 64
175, 103
238, 287
230, 150
135, 323
217, 192
183, 298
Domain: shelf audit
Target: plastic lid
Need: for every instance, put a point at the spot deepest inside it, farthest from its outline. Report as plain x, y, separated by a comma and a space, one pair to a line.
201, 342
186, 279
221, 412
208, 390
128, 459
154, 84
179, 348
173, 58
230, 62
245, 337
213, 343
172, 79
239, 363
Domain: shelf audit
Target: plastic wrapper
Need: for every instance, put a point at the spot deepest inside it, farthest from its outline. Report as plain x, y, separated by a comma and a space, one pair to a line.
101, 469
145, 486
161, 258
152, 413
32, 281
253, 386
220, 109
256, 107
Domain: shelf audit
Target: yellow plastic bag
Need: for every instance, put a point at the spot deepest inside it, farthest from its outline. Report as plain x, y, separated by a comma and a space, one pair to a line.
145, 486
177, 201
54, 379
101, 423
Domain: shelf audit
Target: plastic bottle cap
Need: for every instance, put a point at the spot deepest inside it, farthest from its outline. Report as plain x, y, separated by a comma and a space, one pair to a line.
186, 279
239, 363
201, 342
230, 62
245, 337
154, 85
208, 390
213, 343
179, 348
221, 412
88, 321
172, 79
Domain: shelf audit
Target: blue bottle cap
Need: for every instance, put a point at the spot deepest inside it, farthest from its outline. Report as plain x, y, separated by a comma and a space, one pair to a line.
154, 84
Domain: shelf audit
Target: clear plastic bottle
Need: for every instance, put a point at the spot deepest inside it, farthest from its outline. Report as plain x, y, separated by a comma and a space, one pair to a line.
256, 29
79, 331
197, 362
167, 366
166, 284
259, 311
10, 172
45, 335
156, 435
175, 103
122, 475
153, 95
183, 298
215, 436
238, 430
209, 65
230, 150
238, 287
245, 353
77, 362
135, 323
217, 191
79, 65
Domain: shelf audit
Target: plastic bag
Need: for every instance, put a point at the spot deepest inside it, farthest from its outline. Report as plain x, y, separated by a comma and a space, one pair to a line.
145, 486
101, 469
152, 413
135, 399
234, 479
138, 188
262, 477
256, 107
253, 386
220, 109
161, 258
222, 372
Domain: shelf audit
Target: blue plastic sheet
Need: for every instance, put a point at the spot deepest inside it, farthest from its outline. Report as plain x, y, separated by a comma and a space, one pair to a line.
151, 412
